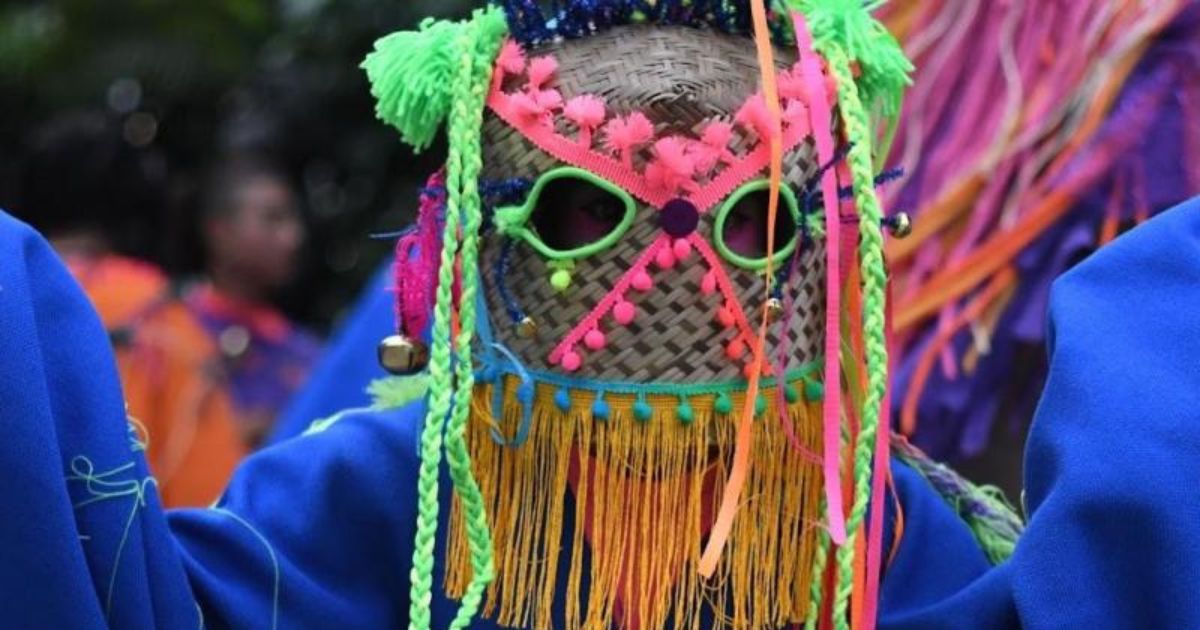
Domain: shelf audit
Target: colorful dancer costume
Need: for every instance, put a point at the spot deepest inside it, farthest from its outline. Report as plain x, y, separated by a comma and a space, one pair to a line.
650, 294
1034, 133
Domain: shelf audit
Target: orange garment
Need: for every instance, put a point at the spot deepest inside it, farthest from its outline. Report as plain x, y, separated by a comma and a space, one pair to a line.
171, 377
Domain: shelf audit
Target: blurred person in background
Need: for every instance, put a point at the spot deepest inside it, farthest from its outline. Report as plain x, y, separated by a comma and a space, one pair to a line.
253, 235
98, 198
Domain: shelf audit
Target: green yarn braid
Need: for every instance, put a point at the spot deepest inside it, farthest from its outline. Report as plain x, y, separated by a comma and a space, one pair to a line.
449, 404
816, 585
874, 278
466, 119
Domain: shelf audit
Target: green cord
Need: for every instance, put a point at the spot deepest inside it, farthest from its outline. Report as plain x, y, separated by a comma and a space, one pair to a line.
874, 279
473, 52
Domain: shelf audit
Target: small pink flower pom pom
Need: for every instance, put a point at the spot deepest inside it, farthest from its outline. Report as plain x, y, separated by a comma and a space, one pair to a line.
708, 284
541, 70
511, 58
753, 116
586, 111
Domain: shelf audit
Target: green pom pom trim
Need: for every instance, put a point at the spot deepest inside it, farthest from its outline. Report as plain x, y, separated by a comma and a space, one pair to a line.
813, 390
642, 410
684, 412
791, 394
760, 406
723, 404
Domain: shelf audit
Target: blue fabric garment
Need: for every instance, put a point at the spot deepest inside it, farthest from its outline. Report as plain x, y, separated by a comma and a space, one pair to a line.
348, 364
316, 532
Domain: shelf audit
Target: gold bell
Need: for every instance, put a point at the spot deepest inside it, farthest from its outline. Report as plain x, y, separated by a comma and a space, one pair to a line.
402, 356
527, 328
900, 225
774, 309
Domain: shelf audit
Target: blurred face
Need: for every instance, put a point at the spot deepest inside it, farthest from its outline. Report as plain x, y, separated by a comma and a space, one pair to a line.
260, 238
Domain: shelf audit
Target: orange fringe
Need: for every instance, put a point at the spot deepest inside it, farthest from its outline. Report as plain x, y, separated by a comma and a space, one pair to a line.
643, 495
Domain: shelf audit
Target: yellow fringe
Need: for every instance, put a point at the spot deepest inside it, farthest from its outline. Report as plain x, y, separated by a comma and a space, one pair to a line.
647, 480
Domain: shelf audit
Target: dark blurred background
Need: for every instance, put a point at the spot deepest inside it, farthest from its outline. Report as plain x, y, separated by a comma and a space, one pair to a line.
189, 81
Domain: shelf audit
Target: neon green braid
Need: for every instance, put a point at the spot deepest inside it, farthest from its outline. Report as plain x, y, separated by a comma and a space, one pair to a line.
466, 118
474, 48
874, 278
817, 576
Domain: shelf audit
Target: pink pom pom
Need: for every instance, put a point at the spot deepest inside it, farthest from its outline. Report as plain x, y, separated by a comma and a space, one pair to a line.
736, 349
624, 312
717, 134
753, 116
640, 128
725, 318
585, 111
642, 282
664, 258
548, 100
704, 156
708, 285
594, 339
682, 249
792, 85
571, 361
511, 58
540, 71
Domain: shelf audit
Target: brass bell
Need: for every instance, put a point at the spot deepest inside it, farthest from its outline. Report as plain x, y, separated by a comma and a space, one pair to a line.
527, 328
900, 225
774, 309
402, 356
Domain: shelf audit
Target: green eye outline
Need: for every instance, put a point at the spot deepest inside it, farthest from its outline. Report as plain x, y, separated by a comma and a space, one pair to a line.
755, 264
513, 221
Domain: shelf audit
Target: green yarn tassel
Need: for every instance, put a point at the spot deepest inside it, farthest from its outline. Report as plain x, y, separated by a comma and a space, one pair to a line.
411, 74
848, 25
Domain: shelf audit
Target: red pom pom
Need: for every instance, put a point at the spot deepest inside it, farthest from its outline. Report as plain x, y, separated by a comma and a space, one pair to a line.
594, 339
642, 281
725, 318
708, 285
736, 349
624, 312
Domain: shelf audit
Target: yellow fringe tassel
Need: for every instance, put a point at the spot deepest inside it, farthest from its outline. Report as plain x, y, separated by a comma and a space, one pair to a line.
630, 499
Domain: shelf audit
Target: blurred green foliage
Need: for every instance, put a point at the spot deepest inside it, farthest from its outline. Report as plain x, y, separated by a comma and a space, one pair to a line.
194, 79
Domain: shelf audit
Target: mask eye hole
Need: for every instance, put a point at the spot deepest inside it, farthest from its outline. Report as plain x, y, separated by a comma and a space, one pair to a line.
741, 229
573, 213
570, 213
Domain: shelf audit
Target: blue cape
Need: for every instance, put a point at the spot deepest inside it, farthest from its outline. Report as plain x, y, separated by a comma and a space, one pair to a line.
316, 532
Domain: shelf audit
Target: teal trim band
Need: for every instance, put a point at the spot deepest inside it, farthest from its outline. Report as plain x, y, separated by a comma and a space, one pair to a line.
512, 221
781, 253
804, 372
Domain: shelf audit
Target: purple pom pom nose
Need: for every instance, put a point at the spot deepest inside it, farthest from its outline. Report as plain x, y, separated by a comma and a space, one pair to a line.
679, 218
